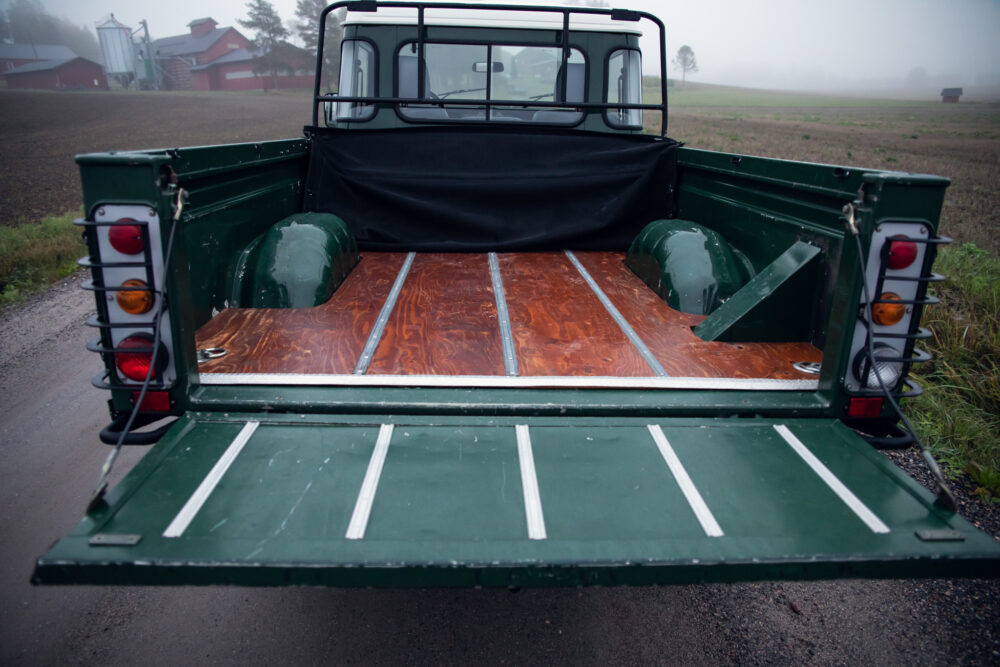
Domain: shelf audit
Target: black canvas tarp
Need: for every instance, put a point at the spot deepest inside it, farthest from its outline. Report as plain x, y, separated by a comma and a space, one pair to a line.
476, 189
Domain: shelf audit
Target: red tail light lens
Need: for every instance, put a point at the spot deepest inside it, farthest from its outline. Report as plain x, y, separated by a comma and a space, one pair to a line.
155, 401
864, 406
902, 253
135, 357
126, 238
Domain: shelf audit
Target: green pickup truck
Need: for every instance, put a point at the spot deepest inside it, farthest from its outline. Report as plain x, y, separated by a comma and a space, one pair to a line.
477, 328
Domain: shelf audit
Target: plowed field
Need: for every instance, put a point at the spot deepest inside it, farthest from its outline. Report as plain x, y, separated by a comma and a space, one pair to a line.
40, 132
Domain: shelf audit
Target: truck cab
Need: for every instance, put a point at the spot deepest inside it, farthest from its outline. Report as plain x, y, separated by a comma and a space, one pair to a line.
485, 323
495, 67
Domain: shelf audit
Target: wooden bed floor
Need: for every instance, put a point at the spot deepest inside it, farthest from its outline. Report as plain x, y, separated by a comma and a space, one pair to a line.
445, 321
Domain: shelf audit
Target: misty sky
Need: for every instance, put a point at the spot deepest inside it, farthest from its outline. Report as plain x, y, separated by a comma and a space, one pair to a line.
785, 44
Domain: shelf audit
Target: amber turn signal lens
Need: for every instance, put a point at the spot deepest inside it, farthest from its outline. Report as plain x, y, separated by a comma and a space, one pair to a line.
888, 314
135, 301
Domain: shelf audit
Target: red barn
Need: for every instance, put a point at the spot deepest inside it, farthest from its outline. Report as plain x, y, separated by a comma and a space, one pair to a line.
13, 56
214, 58
72, 74
205, 43
242, 70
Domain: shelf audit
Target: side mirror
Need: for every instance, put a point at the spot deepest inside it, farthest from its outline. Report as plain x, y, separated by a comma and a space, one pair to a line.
482, 67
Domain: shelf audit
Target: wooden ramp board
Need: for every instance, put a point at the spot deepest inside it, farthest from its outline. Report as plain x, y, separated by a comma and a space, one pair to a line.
444, 321
325, 339
463, 501
669, 335
447, 320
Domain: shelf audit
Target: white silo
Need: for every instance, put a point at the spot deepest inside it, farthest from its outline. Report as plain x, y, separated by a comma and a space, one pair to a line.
118, 49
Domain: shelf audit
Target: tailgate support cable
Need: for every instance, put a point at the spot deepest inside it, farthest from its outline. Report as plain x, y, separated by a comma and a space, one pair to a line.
945, 496
102, 483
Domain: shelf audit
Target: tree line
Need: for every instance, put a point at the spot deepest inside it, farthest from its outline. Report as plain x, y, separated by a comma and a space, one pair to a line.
271, 34
27, 22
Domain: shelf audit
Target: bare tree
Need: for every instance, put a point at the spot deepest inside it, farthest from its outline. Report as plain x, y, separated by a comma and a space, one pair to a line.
685, 62
264, 20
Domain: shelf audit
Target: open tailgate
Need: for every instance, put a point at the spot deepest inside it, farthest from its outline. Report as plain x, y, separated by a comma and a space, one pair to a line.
465, 501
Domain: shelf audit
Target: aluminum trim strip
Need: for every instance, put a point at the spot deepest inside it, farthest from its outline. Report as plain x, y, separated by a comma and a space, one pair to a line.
383, 317
363, 507
529, 482
506, 334
690, 491
619, 319
500, 381
212, 479
845, 494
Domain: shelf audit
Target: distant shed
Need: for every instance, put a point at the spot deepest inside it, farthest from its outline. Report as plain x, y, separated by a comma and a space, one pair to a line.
68, 74
951, 95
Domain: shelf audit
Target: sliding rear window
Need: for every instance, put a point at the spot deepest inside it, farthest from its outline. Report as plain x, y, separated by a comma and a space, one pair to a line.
519, 75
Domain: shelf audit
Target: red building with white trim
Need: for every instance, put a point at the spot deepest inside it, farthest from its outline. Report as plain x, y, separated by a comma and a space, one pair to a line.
221, 58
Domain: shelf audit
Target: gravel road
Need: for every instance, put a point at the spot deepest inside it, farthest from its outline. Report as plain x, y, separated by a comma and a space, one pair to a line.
49, 459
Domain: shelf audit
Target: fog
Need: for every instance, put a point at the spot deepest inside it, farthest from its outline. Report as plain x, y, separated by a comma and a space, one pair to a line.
852, 45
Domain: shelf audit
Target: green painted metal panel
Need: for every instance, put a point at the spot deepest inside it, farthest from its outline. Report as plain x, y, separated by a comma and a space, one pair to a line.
298, 263
456, 483
502, 401
763, 205
689, 266
449, 506
774, 305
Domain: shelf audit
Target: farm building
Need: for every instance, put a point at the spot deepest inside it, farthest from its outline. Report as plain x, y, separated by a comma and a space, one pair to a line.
69, 74
951, 95
13, 56
221, 58
244, 70
204, 43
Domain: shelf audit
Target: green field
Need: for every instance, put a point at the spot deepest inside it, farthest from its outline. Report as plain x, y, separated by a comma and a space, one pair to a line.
708, 95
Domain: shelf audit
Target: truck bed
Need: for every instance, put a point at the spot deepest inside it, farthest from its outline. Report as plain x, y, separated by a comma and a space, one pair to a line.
445, 321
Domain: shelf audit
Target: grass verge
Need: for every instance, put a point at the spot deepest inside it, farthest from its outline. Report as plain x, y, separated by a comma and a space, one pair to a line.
36, 254
959, 414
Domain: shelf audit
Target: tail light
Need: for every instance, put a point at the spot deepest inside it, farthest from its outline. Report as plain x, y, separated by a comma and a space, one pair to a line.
127, 263
886, 362
126, 238
902, 253
135, 357
864, 406
135, 301
888, 309
897, 273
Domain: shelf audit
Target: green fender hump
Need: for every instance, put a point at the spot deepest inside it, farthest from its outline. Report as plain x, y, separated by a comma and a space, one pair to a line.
298, 263
689, 266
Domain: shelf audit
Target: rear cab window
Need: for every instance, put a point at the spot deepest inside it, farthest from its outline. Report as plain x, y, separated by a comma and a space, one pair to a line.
624, 85
357, 79
511, 73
